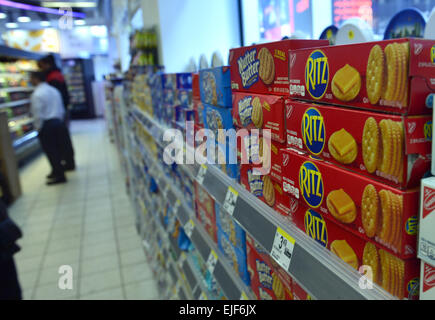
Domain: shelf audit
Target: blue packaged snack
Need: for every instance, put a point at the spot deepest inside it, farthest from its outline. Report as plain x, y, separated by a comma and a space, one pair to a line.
169, 97
184, 97
230, 228
215, 86
169, 81
184, 81
216, 118
226, 159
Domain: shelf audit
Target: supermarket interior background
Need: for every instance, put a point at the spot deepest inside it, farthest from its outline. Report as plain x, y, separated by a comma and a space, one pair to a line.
346, 88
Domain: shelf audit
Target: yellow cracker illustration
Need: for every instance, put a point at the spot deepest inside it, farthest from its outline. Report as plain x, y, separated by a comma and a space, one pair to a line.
398, 239
370, 210
400, 150
390, 81
402, 72
394, 148
278, 288
375, 74
385, 147
257, 113
341, 206
385, 225
405, 48
346, 83
401, 265
385, 269
371, 259
370, 144
343, 147
267, 66
345, 252
268, 191
265, 149
394, 218
390, 261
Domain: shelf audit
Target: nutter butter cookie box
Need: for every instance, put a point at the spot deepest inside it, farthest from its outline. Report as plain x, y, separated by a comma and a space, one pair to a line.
369, 208
265, 189
391, 148
263, 68
215, 86
394, 76
399, 277
267, 283
255, 111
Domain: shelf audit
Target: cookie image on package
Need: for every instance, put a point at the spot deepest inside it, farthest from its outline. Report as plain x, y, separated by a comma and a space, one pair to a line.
267, 66
209, 85
257, 113
346, 83
268, 191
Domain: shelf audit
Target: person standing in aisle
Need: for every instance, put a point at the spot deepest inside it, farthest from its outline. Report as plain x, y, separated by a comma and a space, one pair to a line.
55, 78
48, 112
9, 233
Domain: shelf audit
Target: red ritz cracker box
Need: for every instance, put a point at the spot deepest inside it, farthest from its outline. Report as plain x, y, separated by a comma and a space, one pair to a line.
251, 149
395, 76
260, 112
264, 188
366, 207
195, 86
398, 277
394, 149
263, 68
267, 283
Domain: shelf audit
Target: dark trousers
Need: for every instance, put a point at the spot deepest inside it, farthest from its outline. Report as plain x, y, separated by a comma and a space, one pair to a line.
10, 287
67, 146
52, 137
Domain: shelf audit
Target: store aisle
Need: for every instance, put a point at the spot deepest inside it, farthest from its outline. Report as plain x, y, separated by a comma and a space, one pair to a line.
87, 224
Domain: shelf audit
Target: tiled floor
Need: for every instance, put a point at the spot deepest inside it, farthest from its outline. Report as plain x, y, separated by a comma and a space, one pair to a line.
87, 224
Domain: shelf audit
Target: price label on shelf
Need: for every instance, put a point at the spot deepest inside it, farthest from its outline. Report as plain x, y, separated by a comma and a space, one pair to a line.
188, 228
211, 261
201, 174
230, 200
282, 250
176, 206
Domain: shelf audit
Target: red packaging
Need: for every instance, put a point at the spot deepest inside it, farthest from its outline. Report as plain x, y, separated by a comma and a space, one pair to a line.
366, 207
260, 112
263, 68
275, 197
248, 151
400, 73
348, 138
198, 108
299, 293
350, 248
267, 282
195, 86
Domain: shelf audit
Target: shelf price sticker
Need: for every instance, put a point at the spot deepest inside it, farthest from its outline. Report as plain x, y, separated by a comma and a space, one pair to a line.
188, 228
282, 250
212, 261
201, 174
230, 200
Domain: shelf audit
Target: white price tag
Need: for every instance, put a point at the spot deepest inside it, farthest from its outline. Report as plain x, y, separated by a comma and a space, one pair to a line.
282, 250
176, 206
188, 228
211, 261
230, 200
201, 174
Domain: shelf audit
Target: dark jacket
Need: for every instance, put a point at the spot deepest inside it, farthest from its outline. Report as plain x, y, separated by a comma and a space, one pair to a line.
56, 79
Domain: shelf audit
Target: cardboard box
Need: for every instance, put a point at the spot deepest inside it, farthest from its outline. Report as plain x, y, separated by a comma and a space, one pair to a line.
277, 198
263, 68
215, 86
427, 282
366, 207
299, 293
395, 76
198, 107
354, 145
248, 152
216, 118
232, 230
350, 247
426, 237
267, 283
195, 86
261, 112
204, 200
227, 160
175, 81
207, 219
184, 97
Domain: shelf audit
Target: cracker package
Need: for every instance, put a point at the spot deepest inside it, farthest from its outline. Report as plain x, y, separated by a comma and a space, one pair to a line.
370, 209
204, 200
426, 236
253, 111
263, 68
215, 86
251, 148
264, 188
394, 149
427, 282
399, 277
267, 283
195, 86
394, 76
232, 230
198, 108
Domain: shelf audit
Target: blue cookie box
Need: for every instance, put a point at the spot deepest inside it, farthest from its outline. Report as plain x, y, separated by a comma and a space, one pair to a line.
175, 81
222, 77
231, 166
211, 112
226, 223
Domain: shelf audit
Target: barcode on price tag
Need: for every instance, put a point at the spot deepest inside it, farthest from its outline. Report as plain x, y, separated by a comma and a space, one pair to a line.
282, 250
212, 261
201, 174
188, 228
230, 200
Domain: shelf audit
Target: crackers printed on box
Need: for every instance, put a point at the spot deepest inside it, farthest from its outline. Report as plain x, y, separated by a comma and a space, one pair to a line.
370, 144
346, 83
345, 252
370, 210
371, 259
375, 74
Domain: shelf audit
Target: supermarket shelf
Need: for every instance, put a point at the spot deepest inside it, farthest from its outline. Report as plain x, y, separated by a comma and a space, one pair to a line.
16, 89
14, 103
322, 274
26, 138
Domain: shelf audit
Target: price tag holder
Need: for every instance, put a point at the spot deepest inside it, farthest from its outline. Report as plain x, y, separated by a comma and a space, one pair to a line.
230, 200
201, 174
188, 228
282, 249
211, 261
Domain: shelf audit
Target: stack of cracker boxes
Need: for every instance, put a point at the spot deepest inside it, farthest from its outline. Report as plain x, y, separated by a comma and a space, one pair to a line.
260, 88
357, 149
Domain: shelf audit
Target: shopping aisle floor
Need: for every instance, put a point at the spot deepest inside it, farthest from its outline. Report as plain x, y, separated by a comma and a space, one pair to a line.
87, 224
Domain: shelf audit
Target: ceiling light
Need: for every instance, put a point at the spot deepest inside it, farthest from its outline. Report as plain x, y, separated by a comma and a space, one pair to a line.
61, 4
24, 19
79, 22
11, 25
45, 23
3, 15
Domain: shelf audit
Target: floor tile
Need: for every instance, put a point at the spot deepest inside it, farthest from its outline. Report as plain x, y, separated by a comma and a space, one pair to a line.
51, 274
99, 282
136, 272
99, 264
53, 292
93, 251
110, 294
144, 290
133, 256
64, 257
